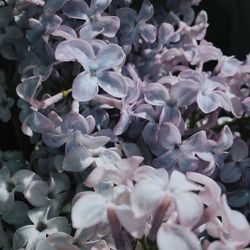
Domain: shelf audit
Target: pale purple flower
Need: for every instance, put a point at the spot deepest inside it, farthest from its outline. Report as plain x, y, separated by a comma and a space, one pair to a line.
96, 23
97, 69
30, 235
134, 25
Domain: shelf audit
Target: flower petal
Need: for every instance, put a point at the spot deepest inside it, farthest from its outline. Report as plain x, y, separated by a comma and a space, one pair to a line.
98, 6
141, 202
146, 11
107, 25
148, 32
77, 159
156, 94
36, 193
126, 15
207, 103
239, 150
190, 209
169, 135
88, 210
84, 87
113, 83
76, 49
77, 9
173, 237
110, 56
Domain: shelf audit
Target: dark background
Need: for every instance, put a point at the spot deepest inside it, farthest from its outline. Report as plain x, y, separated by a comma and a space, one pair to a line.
229, 25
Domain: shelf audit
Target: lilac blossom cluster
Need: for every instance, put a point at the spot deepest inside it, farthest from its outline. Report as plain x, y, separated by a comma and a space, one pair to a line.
136, 142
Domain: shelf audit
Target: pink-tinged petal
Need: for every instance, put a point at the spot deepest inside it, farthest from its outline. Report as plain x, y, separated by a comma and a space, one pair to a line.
219, 245
77, 9
141, 202
148, 32
100, 245
225, 141
229, 66
169, 135
73, 50
190, 209
110, 56
185, 92
39, 123
28, 89
135, 226
73, 122
235, 223
93, 142
65, 31
84, 87
156, 94
113, 83
123, 123
195, 143
236, 106
77, 159
98, 6
95, 177
107, 25
239, 150
211, 192
178, 181
207, 103
88, 210
26, 129
173, 237
129, 164
166, 30
145, 111
167, 160
146, 11
144, 172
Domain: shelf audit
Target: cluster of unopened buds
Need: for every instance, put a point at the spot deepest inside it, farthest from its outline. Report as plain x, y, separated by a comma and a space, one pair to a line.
136, 142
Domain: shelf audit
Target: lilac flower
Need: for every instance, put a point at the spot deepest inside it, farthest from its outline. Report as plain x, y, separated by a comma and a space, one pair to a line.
85, 85
40, 193
119, 172
30, 235
134, 24
104, 205
231, 171
172, 193
8, 185
210, 95
96, 23
176, 151
157, 95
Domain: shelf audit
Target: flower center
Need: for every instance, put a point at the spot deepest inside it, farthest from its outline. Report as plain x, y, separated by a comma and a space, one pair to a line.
41, 226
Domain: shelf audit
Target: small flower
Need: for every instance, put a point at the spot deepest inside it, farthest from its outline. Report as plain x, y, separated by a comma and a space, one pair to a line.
97, 69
